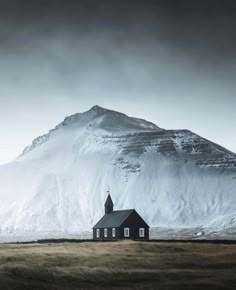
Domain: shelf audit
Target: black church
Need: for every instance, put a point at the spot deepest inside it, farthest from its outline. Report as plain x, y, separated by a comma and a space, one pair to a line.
120, 224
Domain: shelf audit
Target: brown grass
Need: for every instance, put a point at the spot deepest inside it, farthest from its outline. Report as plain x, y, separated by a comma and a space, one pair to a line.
116, 265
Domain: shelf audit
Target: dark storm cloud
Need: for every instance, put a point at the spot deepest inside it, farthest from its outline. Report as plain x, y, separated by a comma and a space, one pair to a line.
199, 31
203, 24
67, 39
70, 39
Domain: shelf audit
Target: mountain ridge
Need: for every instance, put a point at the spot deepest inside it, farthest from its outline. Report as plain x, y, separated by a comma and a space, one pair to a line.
173, 178
91, 115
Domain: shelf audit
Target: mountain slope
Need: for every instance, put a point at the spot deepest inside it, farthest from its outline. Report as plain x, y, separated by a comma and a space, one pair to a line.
173, 178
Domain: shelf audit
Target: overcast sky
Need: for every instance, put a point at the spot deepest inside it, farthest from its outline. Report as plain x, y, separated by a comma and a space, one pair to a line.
172, 62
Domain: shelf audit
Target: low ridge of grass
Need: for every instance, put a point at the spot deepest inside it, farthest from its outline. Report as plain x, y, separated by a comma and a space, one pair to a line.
123, 264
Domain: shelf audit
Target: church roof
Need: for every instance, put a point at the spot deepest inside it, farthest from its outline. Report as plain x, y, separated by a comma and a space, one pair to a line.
113, 219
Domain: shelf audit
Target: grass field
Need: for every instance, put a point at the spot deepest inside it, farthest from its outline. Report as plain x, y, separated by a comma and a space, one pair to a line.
115, 265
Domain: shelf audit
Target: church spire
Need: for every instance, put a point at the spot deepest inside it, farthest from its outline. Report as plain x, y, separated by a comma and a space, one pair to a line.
109, 203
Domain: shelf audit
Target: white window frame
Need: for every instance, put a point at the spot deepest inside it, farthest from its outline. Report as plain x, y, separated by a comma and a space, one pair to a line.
126, 234
113, 232
105, 233
97, 233
141, 232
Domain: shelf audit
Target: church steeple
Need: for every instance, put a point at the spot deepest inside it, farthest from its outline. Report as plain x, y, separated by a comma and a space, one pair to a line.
108, 204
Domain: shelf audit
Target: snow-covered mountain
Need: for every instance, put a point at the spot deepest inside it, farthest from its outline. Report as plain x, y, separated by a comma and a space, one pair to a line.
173, 178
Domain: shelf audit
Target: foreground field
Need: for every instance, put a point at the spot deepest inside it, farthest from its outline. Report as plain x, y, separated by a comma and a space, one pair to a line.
115, 265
